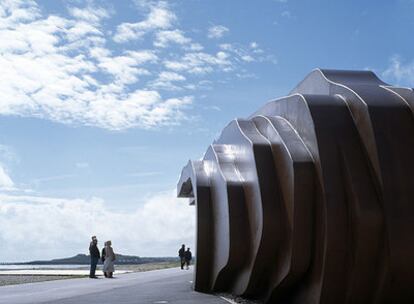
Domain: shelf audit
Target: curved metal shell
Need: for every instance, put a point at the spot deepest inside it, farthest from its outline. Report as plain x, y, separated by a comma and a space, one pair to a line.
311, 199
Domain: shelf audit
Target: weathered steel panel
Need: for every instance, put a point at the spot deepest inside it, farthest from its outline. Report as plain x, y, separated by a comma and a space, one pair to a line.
311, 199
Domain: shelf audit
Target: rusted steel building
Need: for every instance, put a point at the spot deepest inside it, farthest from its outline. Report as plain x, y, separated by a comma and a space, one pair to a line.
311, 198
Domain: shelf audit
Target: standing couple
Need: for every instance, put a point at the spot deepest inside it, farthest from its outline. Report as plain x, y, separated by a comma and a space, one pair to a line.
108, 258
185, 257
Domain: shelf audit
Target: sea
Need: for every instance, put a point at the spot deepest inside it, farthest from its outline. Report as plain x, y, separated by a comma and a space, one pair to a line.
23, 267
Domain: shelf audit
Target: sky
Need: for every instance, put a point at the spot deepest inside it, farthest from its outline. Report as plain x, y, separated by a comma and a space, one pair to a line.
103, 102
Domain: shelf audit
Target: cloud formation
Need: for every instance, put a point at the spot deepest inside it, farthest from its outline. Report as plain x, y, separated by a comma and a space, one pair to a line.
200, 63
60, 69
6, 182
400, 71
164, 38
56, 227
68, 70
159, 17
217, 31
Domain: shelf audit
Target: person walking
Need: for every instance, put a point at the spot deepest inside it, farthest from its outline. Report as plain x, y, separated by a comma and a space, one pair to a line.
181, 254
103, 254
94, 253
187, 257
109, 260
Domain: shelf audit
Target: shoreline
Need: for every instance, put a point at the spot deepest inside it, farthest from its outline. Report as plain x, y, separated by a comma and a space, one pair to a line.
25, 276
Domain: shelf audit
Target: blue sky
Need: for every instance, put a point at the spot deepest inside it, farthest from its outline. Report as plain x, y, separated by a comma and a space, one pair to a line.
103, 102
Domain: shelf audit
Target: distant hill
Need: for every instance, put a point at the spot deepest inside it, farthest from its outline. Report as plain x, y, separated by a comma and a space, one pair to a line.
82, 259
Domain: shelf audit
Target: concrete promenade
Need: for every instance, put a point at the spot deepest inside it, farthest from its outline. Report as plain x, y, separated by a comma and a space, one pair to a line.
52, 272
158, 286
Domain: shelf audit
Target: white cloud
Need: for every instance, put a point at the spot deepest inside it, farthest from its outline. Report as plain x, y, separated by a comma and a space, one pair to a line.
59, 69
71, 222
7, 156
159, 17
217, 31
250, 53
125, 69
226, 46
164, 38
254, 45
195, 47
6, 183
89, 14
166, 80
242, 53
171, 76
13, 11
247, 58
201, 63
400, 72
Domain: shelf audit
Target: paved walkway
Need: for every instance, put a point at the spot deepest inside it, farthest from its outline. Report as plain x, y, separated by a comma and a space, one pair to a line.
158, 286
52, 272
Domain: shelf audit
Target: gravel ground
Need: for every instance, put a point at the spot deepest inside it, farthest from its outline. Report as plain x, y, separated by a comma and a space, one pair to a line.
22, 279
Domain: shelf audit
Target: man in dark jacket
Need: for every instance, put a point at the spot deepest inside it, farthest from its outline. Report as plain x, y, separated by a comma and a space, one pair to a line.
188, 257
94, 252
181, 254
